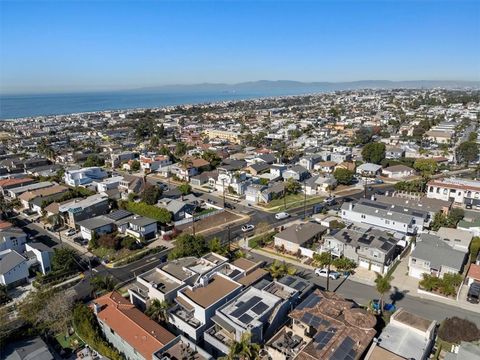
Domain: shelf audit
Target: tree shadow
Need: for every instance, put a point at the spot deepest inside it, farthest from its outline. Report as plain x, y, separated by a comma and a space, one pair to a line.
397, 295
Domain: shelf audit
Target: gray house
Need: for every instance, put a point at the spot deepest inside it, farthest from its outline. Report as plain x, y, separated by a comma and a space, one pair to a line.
399, 219
432, 255
370, 248
297, 172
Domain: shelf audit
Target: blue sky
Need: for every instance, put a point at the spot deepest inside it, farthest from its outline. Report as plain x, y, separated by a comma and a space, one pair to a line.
100, 45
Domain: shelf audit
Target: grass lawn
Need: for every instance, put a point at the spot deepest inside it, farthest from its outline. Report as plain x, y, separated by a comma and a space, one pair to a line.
112, 254
70, 342
292, 201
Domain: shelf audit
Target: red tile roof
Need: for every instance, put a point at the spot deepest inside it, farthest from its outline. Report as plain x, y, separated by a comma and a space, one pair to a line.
133, 326
14, 181
474, 272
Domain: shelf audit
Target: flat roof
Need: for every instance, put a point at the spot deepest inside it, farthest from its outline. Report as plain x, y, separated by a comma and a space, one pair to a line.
244, 264
403, 341
253, 277
159, 281
217, 288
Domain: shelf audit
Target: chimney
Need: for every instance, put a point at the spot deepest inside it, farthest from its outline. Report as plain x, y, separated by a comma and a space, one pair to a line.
350, 206
96, 308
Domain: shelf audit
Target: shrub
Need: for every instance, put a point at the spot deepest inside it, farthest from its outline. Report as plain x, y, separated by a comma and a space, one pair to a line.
110, 241
129, 243
143, 209
454, 330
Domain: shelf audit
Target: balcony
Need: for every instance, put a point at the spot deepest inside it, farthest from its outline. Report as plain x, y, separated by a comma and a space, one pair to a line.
187, 317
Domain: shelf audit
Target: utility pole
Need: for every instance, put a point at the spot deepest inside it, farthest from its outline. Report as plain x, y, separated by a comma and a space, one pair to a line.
328, 268
223, 183
228, 237
304, 199
193, 222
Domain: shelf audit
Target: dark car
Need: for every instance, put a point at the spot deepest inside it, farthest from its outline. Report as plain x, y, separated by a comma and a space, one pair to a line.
473, 295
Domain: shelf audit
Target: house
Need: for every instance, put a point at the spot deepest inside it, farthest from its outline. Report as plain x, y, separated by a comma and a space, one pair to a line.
422, 203
9, 183
13, 268
297, 172
131, 185
35, 200
128, 329
464, 351
118, 158
84, 176
40, 255
258, 168
179, 209
258, 311
15, 192
434, 256
369, 248
99, 225
460, 191
27, 349
392, 152
398, 172
399, 219
347, 165
205, 178
83, 209
326, 167
406, 336
154, 162
318, 185
471, 226
439, 136
139, 227
300, 237
108, 184
324, 326
473, 274
13, 238
457, 238
274, 191
276, 171
181, 348
309, 161
369, 169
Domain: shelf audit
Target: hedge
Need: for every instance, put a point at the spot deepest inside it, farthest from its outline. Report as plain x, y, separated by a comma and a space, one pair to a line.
150, 211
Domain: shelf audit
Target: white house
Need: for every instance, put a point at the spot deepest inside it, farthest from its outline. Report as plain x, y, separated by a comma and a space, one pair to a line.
460, 191
43, 255
13, 268
13, 238
84, 176
398, 172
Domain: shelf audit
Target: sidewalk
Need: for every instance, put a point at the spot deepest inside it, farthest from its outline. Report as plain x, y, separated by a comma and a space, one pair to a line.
409, 285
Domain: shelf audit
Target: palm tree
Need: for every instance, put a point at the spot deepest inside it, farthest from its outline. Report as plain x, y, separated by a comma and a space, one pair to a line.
243, 349
100, 283
158, 311
383, 286
278, 269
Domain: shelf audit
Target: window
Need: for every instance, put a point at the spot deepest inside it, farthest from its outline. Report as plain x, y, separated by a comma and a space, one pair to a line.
387, 222
438, 190
431, 189
363, 216
413, 261
112, 331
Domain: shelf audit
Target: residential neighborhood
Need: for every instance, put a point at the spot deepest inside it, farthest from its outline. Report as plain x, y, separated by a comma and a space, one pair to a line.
342, 225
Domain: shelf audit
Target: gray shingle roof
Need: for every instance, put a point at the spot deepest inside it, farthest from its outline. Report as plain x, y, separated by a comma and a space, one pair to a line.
433, 249
95, 222
10, 260
301, 233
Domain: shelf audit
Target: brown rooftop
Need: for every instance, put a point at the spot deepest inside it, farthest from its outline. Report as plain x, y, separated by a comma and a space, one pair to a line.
379, 353
244, 264
216, 289
412, 320
253, 277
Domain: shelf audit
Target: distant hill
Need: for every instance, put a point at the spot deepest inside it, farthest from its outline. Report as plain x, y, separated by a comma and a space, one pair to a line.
298, 86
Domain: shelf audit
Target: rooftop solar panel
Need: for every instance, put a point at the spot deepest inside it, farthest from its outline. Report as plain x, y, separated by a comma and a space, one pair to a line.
310, 301
245, 318
260, 308
345, 351
245, 306
287, 280
300, 285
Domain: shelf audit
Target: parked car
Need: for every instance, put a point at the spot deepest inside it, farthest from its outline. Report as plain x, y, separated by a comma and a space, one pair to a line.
473, 295
71, 232
378, 181
330, 201
248, 227
324, 273
80, 240
282, 215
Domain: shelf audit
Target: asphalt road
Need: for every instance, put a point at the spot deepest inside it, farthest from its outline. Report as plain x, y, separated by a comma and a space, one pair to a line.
362, 294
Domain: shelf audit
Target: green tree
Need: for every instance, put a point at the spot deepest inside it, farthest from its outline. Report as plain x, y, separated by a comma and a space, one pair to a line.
180, 149
135, 165
151, 194
185, 188
323, 259
243, 349
343, 176
188, 245
278, 269
264, 181
363, 136
216, 246
158, 311
473, 136
383, 286
102, 283
474, 248
64, 260
212, 158
292, 186
344, 264
93, 243
140, 208
94, 160
427, 167
467, 152
6, 207
455, 330
374, 152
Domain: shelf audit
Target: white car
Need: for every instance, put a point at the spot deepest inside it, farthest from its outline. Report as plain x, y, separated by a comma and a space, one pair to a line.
324, 273
248, 227
71, 232
282, 215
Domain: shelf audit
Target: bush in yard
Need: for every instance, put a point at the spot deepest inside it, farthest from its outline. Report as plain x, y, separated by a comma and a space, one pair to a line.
110, 241
130, 243
474, 248
454, 330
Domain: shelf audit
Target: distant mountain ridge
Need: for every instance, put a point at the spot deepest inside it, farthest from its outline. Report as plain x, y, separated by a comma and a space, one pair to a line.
282, 85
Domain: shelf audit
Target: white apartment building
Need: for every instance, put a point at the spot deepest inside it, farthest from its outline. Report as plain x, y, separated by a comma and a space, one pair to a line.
460, 191
84, 176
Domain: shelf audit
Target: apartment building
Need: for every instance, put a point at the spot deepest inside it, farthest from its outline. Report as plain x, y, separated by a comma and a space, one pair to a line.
84, 176
459, 191
230, 136
82, 209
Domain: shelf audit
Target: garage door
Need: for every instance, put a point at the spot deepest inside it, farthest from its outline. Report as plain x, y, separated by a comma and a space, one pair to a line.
364, 264
376, 268
414, 272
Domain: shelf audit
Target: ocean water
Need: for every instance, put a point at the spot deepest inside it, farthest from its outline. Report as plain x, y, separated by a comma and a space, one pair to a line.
18, 106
